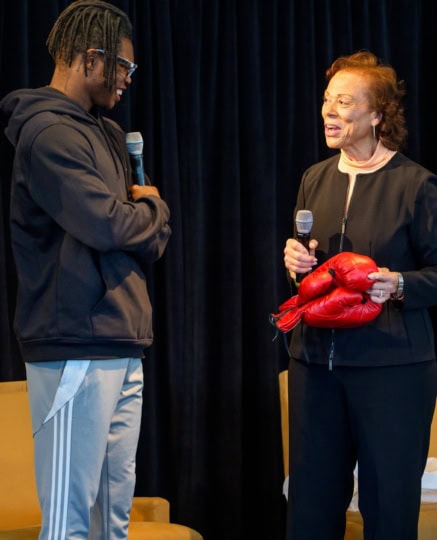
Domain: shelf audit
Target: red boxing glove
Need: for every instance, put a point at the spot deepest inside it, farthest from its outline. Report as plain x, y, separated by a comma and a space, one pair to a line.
333, 296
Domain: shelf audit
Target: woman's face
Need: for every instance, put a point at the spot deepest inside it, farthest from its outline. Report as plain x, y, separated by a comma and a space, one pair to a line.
347, 118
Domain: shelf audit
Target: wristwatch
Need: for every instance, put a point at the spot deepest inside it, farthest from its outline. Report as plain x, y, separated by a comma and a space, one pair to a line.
399, 294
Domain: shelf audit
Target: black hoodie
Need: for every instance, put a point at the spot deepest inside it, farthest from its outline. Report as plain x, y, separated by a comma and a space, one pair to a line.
80, 245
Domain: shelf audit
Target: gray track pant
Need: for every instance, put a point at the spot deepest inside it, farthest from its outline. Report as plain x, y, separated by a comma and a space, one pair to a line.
86, 419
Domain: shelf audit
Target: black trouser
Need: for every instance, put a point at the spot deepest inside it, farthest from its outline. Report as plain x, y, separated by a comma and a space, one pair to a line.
378, 416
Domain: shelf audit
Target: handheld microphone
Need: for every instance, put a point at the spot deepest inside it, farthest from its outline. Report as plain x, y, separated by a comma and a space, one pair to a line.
134, 143
304, 223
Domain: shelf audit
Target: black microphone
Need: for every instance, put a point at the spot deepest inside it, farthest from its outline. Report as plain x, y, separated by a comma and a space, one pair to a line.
134, 143
304, 223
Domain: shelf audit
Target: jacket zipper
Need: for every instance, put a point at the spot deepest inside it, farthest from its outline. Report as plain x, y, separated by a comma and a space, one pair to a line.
343, 232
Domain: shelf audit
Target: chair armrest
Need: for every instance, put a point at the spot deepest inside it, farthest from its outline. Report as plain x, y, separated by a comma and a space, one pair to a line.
150, 509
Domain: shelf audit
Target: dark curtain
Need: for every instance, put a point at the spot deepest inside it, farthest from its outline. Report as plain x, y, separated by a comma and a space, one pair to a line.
227, 96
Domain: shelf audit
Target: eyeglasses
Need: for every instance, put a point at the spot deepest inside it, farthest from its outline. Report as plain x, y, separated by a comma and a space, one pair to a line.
125, 65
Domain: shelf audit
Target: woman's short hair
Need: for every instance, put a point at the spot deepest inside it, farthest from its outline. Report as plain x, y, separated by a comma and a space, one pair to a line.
385, 94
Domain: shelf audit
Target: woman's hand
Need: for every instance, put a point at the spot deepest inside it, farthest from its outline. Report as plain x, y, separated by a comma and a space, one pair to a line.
297, 259
385, 284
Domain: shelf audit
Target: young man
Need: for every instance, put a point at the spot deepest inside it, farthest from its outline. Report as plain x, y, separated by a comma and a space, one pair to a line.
82, 236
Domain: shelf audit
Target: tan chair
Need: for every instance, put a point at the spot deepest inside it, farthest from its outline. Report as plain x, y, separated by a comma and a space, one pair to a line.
354, 522
20, 515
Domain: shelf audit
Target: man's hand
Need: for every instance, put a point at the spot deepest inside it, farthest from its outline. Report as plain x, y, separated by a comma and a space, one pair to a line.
137, 192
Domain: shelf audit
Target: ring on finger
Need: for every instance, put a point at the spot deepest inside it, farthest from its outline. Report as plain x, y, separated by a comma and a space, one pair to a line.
381, 294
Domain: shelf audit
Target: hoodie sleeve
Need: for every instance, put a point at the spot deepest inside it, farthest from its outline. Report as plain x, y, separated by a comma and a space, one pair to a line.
75, 179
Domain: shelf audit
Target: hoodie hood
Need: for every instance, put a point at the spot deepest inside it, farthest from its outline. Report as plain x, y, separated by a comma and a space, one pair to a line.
21, 105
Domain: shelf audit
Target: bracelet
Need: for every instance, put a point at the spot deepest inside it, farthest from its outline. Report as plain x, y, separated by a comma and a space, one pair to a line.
399, 294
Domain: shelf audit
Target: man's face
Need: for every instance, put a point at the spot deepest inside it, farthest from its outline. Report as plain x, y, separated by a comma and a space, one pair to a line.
99, 94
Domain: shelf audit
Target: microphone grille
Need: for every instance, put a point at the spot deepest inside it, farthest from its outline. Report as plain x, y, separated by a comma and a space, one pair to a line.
134, 143
304, 221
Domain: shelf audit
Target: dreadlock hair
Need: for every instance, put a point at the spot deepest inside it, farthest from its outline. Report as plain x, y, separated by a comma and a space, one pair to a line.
87, 24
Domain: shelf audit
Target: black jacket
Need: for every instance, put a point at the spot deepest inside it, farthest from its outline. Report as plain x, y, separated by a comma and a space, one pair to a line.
80, 246
392, 217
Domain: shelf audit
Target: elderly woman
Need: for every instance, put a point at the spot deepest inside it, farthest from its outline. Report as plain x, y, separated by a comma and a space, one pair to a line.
365, 395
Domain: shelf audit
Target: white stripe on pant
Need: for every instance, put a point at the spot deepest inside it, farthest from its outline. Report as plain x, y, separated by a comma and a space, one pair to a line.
85, 453
61, 469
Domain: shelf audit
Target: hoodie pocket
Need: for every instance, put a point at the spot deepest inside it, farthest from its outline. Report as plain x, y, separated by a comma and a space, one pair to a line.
124, 311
